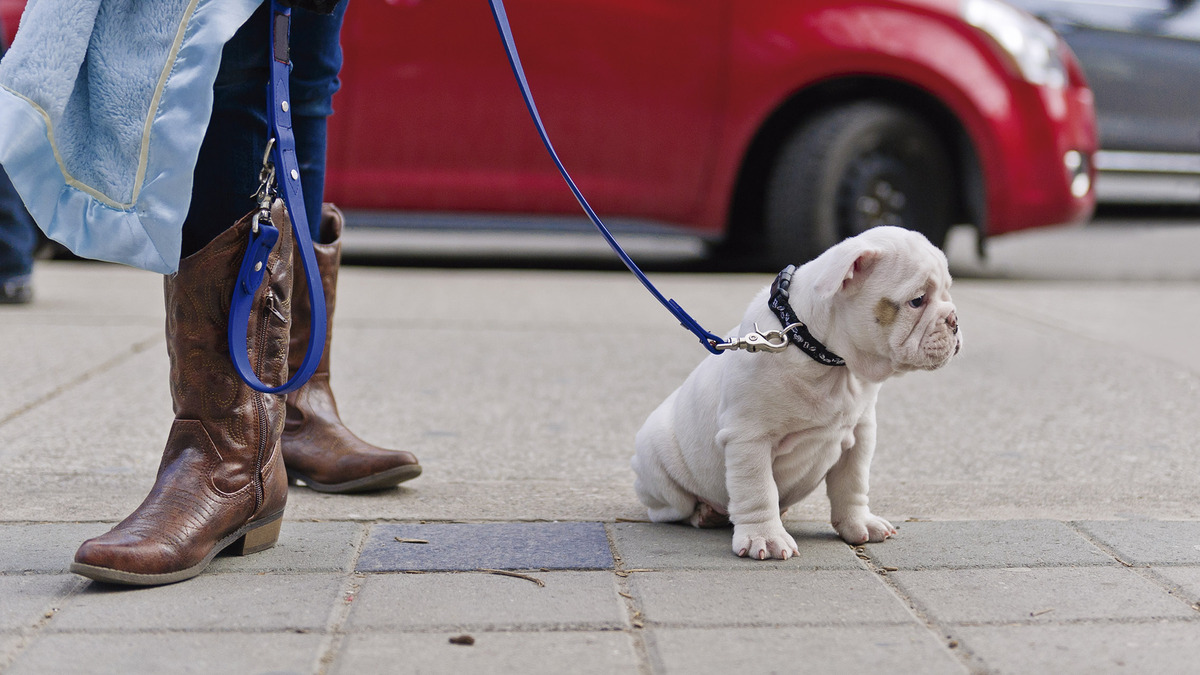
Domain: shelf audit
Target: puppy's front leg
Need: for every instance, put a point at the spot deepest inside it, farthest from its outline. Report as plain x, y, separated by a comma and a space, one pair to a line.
754, 502
846, 484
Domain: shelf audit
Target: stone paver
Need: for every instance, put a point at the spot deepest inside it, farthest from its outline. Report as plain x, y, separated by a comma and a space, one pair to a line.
228, 602
1187, 579
671, 546
43, 547
199, 653
897, 650
465, 546
586, 653
1087, 648
1143, 542
302, 547
1041, 594
27, 599
476, 600
966, 544
765, 597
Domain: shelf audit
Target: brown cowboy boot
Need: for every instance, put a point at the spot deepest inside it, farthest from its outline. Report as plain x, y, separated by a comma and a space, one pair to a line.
318, 449
221, 484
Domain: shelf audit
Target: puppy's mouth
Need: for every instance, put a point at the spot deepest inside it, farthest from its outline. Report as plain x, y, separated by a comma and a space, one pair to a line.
939, 348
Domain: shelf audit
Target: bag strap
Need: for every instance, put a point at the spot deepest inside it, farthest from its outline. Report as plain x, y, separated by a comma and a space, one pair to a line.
711, 342
263, 235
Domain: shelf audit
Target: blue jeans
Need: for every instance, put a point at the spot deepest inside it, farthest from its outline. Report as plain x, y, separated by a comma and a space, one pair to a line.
226, 176
18, 234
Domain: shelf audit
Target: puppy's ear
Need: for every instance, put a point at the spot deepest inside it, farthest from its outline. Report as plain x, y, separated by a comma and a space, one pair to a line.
847, 271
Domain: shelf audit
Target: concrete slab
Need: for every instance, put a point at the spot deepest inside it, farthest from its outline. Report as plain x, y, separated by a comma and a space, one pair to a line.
1044, 442
1039, 595
43, 547
114, 424
768, 597
10, 644
42, 360
585, 653
1005, 432
1186, 580
302, 547
1086, 648
955, 545
480, 601
199, 653
472, 546
845, 649
671, 546
209, 602
1143, 542
29, 598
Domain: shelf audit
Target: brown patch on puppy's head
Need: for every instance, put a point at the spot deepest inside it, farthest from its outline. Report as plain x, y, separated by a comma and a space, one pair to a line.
885, 312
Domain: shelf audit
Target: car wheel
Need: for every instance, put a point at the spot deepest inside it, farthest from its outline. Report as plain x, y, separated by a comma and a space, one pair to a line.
852, 168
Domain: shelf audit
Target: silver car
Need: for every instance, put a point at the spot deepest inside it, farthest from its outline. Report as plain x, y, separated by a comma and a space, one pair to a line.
1142, 60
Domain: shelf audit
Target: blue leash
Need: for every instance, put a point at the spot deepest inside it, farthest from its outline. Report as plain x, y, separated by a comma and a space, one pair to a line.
711, 342
286, 169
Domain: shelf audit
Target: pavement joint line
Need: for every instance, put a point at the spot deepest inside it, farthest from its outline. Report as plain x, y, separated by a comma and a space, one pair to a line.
633, 609
1144, 570
943, 635
30, 633
1077, 527
1099, 621
132, 351
339, 614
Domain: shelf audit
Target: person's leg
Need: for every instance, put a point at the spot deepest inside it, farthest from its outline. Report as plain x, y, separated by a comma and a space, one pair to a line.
18, 238
318, 449
221, 483
226, 176
313, 83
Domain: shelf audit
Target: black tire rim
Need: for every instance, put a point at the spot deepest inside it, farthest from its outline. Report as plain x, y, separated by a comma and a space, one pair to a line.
875, 191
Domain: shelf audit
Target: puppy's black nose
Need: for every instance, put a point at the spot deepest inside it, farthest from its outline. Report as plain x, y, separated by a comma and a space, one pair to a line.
952, 321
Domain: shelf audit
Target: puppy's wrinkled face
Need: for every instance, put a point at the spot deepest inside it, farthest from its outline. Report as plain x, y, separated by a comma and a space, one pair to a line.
912, 307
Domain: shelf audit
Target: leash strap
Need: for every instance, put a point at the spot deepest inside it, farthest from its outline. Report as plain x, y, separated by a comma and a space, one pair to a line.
711, 342
286, 170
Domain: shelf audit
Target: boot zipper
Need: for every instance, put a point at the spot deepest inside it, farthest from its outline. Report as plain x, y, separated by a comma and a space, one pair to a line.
259, 406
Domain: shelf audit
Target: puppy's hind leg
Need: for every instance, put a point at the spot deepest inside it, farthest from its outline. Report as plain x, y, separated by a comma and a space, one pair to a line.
665, 500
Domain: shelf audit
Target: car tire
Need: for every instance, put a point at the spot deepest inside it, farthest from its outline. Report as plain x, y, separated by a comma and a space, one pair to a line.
851, 168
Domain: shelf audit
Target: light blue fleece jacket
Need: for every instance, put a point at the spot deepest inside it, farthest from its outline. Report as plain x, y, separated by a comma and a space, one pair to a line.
103, 106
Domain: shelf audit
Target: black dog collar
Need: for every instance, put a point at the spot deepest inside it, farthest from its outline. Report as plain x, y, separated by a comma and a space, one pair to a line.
799, 334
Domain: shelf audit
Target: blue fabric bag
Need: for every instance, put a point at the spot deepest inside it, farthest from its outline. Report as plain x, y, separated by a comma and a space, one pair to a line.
103, 107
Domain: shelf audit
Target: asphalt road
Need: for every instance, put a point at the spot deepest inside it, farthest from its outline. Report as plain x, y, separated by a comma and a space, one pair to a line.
1139, 245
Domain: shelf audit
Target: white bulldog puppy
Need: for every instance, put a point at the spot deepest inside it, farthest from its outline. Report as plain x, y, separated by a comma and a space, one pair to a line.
749, 434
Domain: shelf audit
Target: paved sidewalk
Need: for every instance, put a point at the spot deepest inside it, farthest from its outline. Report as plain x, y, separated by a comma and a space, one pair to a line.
1044, 485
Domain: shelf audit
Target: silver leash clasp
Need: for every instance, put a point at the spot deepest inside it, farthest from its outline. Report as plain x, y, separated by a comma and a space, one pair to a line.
771, 341
265, 195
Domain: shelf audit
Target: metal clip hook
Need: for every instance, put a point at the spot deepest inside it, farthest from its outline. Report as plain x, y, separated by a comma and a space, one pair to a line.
266, 190
771, 341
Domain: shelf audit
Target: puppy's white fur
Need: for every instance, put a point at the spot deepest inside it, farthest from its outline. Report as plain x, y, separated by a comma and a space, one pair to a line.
750, 434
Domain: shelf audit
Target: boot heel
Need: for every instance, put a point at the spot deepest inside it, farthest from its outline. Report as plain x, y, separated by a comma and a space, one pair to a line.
260, 538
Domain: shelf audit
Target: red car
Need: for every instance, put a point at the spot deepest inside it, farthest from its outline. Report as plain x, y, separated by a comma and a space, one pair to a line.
772, 128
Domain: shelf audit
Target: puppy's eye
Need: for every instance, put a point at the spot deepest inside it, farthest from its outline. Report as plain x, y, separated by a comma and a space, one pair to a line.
916, 302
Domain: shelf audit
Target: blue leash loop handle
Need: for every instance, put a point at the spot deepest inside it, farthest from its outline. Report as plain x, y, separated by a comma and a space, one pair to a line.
264, 235
707, 339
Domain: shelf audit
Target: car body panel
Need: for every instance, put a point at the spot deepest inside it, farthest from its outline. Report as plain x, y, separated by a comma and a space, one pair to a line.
668, 142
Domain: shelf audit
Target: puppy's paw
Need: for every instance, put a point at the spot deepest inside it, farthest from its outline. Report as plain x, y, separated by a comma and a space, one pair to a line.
763, 540
870, 528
